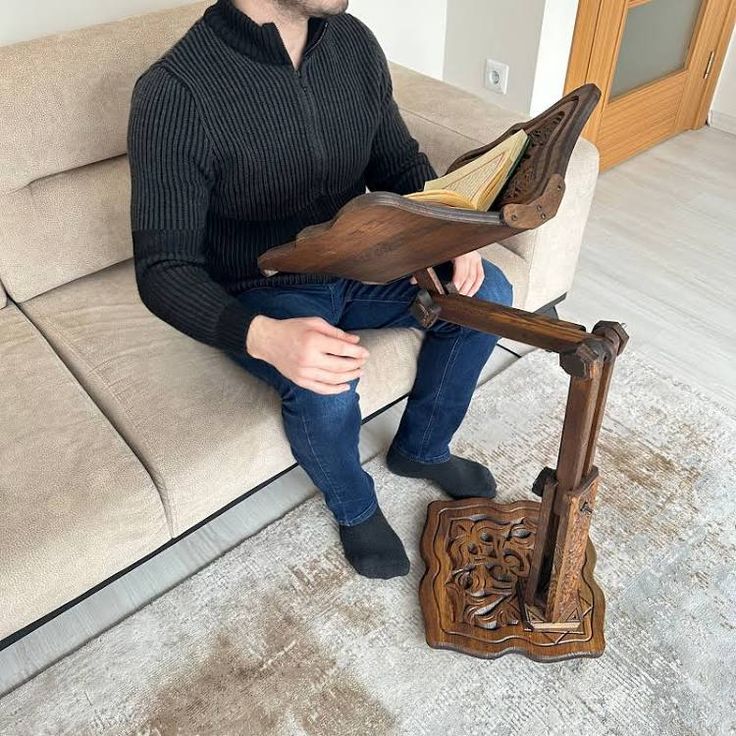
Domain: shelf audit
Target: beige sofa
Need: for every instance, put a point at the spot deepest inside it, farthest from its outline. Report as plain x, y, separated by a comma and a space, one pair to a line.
118, 433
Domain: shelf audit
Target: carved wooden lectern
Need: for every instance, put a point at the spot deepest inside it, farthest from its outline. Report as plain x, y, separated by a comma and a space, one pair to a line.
500, 577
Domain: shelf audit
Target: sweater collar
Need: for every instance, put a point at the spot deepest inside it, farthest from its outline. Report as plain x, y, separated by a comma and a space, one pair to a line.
260, 42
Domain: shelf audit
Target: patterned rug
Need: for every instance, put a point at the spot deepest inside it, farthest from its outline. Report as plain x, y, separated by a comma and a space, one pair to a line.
279, 636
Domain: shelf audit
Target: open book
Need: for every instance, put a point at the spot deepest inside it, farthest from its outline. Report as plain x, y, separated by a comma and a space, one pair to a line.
477, 184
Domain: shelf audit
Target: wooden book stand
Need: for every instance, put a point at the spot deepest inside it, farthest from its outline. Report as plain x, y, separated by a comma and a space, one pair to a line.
500, 577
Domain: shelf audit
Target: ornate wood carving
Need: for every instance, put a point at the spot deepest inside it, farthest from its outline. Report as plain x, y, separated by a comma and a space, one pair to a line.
519, 577
553, 136
569, 553
476, 552
488, 557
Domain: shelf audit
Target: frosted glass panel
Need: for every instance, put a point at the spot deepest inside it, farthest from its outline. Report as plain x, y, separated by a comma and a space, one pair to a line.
656, 42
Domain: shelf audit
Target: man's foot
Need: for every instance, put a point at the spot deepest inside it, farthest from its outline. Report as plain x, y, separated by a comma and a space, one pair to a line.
374, 549
458, 477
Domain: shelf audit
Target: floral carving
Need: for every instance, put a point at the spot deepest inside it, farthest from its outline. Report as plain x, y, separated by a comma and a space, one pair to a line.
476, 551
487, 558
529, 175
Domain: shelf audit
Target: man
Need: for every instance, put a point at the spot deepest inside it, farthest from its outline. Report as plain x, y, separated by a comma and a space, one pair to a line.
266, 117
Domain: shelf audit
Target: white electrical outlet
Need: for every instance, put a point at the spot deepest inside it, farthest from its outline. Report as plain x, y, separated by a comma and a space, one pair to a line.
497, 76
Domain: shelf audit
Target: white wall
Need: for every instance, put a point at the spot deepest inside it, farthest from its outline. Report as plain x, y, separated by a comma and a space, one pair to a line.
533, 37
723, 107
411, 32
504, 30
446, 39
553, 55
21, 20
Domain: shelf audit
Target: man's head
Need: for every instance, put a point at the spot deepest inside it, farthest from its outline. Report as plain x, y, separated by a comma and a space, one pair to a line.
319, 8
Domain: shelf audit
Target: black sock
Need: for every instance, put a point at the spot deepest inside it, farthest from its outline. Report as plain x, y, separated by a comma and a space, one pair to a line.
458, 477
374, 549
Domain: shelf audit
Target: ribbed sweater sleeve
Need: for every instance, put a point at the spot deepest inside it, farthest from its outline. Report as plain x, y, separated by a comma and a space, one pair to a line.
172, 176
396, 163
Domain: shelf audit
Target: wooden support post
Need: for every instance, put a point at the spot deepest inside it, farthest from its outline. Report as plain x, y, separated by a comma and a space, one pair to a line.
584, 365
615, 338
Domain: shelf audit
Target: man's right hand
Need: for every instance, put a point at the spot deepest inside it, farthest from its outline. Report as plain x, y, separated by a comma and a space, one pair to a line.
308, 351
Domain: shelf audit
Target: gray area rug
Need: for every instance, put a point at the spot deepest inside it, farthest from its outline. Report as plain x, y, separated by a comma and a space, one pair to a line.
279, 636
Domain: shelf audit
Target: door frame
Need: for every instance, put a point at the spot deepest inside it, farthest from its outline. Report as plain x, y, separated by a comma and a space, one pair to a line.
599, 28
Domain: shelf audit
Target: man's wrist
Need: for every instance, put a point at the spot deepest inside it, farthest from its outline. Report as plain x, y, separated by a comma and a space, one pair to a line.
254, 336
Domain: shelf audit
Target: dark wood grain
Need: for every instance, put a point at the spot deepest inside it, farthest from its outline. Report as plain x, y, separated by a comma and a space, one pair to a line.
476, 551
617, 339
381, 236
546, 536
515, 324
553, 135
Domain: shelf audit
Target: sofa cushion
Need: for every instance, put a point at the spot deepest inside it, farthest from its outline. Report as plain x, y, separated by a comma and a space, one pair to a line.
64, 102
64, 183
65, 98
206, 430
65, 226
77, 505
441, 144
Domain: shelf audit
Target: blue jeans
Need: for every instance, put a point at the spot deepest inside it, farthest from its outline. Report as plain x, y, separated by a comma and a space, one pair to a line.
323, 430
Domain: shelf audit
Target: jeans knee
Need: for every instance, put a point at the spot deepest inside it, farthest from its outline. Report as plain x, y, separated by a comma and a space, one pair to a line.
327, 407
495, 287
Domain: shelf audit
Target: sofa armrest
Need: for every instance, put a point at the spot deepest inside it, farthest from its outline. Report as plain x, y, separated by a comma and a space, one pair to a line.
448, 121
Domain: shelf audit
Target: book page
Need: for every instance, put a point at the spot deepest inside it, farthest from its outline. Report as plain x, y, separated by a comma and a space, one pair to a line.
484, 175
475, 172
442, 196
477, 178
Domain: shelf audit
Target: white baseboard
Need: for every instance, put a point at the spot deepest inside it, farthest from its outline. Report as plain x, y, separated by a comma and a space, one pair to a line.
722, 121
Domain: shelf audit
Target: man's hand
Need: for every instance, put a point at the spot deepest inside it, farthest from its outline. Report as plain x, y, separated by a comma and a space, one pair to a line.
468, 273
308, 351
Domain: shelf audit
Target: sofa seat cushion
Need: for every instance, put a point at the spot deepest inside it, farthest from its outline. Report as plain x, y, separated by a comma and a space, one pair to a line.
206, 430
77, 505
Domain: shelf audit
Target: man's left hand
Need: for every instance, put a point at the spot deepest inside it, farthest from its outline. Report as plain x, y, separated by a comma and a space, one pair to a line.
468, 273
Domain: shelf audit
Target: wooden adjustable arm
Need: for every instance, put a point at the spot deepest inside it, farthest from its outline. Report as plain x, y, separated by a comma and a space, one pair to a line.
515, 324
434, 302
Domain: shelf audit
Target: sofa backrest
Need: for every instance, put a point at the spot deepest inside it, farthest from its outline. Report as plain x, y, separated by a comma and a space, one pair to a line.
65, 182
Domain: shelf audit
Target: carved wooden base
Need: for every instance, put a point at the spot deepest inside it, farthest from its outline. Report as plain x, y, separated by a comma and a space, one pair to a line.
477, 554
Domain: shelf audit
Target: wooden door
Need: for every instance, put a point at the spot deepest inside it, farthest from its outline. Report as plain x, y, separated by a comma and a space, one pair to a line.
656, 62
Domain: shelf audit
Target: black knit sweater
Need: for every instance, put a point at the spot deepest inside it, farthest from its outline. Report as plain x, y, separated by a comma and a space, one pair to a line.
233, 151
